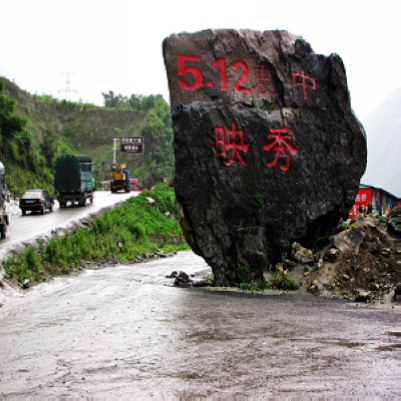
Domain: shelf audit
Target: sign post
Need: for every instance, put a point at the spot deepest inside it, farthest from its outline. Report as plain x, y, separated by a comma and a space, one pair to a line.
132, 144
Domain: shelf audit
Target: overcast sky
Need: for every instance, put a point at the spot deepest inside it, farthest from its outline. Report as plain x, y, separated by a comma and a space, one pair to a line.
116, 45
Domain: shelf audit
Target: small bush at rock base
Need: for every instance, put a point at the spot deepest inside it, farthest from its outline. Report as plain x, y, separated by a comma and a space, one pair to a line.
283, 281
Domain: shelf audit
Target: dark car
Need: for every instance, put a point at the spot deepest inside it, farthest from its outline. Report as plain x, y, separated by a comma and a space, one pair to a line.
36, 200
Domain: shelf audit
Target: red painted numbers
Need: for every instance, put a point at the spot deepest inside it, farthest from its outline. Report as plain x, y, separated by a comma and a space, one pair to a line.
306, 81
242, 78
280, 145
228, 141
221, 63
184, 70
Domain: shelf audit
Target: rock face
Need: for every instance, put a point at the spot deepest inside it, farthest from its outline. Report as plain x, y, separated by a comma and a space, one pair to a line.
267, 148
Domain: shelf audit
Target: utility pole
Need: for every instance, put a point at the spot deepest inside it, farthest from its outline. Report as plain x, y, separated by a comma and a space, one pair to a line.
114, 148
67, 91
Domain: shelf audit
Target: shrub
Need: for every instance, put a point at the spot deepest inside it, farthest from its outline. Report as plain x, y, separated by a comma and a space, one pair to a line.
32, 260
284, 282
244, 274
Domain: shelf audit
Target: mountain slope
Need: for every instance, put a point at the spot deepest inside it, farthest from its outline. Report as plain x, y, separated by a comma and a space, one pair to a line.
90, 130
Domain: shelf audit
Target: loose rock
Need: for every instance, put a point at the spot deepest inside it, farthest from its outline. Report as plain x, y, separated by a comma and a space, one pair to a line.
183, 280
301, 254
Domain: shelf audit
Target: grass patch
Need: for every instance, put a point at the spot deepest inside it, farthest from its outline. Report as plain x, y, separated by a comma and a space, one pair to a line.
121, 233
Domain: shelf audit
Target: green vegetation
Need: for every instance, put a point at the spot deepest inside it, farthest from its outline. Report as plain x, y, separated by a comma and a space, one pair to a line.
320, 243
15, 140
341, 282
269, 106
283, 281
121, 233
36, 129
258, 201
246, 282
209, 277
244, 275
27, 165
156, 128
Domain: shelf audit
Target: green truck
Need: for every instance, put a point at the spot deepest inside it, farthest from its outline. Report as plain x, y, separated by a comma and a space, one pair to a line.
73, 180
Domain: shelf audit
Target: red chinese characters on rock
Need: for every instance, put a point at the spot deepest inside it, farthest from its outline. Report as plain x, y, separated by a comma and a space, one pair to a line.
263, 80
190, 77
280, 145
306, 81
226, 141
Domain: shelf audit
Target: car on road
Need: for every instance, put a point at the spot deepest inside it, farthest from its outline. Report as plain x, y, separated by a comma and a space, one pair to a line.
36, 200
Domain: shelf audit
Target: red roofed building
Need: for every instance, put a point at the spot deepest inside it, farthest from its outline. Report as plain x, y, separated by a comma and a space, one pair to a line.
381, 200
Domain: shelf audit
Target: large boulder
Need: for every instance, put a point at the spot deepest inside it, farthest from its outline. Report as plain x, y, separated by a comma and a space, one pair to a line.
267, 148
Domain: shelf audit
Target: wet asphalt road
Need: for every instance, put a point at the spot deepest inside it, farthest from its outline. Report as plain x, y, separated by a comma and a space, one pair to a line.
23, 228
124, 331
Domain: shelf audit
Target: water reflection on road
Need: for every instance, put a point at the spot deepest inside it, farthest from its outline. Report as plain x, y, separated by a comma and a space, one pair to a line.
125, 331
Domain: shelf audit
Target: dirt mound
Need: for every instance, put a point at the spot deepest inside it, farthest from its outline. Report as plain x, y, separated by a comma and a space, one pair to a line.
362, 263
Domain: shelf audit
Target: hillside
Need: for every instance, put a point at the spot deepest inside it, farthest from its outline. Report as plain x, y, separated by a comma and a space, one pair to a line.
89, 129
383, 130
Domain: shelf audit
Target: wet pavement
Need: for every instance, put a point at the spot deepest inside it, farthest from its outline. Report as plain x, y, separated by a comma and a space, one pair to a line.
125, 331
24, 228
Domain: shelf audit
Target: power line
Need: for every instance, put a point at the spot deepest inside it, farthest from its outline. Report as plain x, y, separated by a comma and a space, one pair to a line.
67, 91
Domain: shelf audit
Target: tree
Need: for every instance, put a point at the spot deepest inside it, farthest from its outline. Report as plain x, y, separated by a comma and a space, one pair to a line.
48, 147
135, 101
111, 100
13, 132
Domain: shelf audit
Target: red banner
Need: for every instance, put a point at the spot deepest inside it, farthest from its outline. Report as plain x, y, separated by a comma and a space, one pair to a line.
364, 197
